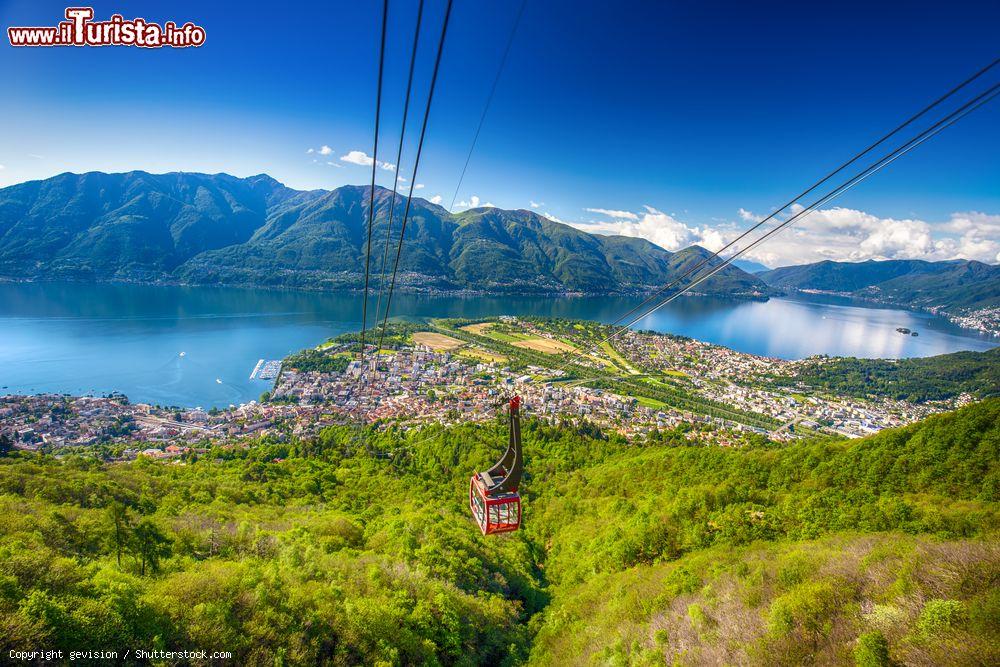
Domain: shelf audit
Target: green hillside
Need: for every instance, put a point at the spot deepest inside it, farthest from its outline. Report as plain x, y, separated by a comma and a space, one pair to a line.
104, 226
953, 286
300, 553
919, 379
219, 229
958, 285
842, 276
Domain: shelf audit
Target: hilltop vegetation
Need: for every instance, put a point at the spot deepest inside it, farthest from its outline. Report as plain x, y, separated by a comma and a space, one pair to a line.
219, 229
921, 379
314, 551
954, 286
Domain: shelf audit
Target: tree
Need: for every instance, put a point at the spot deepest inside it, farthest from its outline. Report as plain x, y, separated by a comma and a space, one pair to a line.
123, 526
6, 444
149, 545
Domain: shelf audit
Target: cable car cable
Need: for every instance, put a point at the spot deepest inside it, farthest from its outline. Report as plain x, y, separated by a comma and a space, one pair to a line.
413, 176
811, 188
947, 121
416, 166
489, 101
482, 119
980, 101
956, 115
395, 187
399, 157
371, 203
970, 106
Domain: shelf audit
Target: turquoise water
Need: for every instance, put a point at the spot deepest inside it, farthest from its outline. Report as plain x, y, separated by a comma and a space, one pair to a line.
94, 339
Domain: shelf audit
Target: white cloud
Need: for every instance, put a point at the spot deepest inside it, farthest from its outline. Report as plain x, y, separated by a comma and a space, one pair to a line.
325, 150
555, 219
980, 235
436, 199
535, 204
334, 164
357, 157
839, 233
611, 213
662, 229
845, 234
365, 160
979, 223
311, 150
418, 186
2, 167
489, 204
472, 203
37, 157
897, 239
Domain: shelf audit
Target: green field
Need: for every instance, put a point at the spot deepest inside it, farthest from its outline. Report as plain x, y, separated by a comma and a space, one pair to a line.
618, 359
650, 403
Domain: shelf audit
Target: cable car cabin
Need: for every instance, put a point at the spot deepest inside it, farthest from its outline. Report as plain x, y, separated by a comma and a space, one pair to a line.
493, 497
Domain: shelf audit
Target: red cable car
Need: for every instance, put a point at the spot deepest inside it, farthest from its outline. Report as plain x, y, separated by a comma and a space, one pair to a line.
493, 497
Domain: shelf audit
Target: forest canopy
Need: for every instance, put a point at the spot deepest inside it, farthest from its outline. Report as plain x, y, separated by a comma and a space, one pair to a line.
311, 551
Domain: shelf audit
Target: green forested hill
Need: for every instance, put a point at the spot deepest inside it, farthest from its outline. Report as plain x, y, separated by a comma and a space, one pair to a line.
953, 285
842, 276
101, 226
829, 552
219, 229
919, 379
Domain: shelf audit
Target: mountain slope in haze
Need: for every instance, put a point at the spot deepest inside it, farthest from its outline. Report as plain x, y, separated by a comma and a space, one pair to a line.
953, 286
750, 266
219, 229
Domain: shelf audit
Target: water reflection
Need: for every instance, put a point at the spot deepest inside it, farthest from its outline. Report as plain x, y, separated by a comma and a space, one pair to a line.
98, 338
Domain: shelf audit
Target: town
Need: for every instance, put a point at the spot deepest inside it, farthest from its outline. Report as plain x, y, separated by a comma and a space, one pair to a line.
453, 371
986, 320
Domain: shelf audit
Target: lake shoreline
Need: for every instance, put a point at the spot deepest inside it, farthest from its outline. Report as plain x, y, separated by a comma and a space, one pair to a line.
402, 289
199, 345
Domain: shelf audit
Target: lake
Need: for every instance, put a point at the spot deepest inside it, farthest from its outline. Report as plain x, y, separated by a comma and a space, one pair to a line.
196, 346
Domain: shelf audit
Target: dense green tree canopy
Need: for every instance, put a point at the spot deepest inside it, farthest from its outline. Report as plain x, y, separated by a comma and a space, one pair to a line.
309, 552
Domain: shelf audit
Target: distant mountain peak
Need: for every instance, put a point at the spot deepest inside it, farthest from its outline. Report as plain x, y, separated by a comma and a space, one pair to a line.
223, 229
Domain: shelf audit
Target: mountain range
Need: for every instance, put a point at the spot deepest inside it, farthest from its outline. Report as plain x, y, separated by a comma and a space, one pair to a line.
954, 286
219, 229
222, 230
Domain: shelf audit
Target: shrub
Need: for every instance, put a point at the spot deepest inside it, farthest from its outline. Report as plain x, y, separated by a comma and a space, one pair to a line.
940, 616
807, 608
872, 650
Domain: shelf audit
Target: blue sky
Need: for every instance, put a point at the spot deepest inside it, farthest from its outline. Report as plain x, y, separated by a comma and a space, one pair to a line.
669, 117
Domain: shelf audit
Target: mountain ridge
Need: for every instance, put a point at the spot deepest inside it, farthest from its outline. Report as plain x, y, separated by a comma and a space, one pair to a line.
195, 228
951, 286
